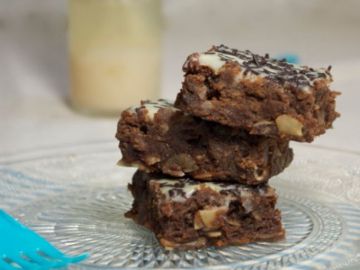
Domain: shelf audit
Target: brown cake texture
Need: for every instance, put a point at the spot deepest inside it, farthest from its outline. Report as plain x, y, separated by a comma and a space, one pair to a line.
157, 137
261, 95
188, 214
204, 162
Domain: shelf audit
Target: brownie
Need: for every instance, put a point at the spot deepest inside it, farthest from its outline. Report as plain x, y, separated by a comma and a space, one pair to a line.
188, 214
157, 137
262, 95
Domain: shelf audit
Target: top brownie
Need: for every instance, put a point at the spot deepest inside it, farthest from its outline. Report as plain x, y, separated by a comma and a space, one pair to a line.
262, 95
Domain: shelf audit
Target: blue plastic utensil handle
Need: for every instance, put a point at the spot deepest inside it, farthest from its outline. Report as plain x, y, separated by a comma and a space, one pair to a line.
290, 58
17, 238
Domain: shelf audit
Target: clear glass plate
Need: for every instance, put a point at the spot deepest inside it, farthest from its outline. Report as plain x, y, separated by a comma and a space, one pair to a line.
76, 196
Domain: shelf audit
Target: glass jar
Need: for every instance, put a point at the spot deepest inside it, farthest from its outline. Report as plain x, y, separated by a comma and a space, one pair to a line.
114, 48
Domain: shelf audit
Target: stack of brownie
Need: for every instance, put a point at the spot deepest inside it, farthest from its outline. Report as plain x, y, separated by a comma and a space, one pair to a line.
204, 162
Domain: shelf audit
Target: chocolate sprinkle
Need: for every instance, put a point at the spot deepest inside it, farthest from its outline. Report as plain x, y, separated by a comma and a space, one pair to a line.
275, 70
161, 103
177, 192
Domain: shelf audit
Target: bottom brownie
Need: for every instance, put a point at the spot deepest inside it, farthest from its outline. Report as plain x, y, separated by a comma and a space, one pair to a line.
187, 214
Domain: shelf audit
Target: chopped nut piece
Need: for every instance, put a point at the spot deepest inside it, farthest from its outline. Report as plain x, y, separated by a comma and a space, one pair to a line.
151, 160
169, 245
198, 224
214, 234
256, 215
264, 127
261, 174
233, 222
289, 125
183, 163
209, 216
204, 175
163, 128
207, 105
123, 163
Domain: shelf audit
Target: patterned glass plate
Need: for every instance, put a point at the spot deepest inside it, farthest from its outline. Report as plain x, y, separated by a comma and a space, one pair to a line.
76, 196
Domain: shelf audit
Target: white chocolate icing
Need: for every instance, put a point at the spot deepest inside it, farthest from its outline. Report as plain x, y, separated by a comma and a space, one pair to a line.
212, 61
247, 201
255, 66
179, 190
153, 107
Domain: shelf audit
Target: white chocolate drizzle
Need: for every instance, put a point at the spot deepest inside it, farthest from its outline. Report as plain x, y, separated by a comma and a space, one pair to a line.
179, 190
152, 107
254, 66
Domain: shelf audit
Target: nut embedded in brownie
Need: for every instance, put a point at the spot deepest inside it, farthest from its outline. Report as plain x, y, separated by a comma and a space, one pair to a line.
159, 138
187, 214
262, 95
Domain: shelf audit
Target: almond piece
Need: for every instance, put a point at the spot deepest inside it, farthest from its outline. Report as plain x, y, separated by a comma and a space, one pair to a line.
214, 234
289, 125
198, 223
260, 174
151, 160
168, 245
209, 216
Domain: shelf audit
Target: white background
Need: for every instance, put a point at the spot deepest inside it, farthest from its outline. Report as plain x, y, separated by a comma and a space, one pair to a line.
33, 60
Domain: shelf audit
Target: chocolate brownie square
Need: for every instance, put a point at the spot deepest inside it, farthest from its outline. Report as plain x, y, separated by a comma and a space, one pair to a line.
157, 137
188, 214
262, 95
